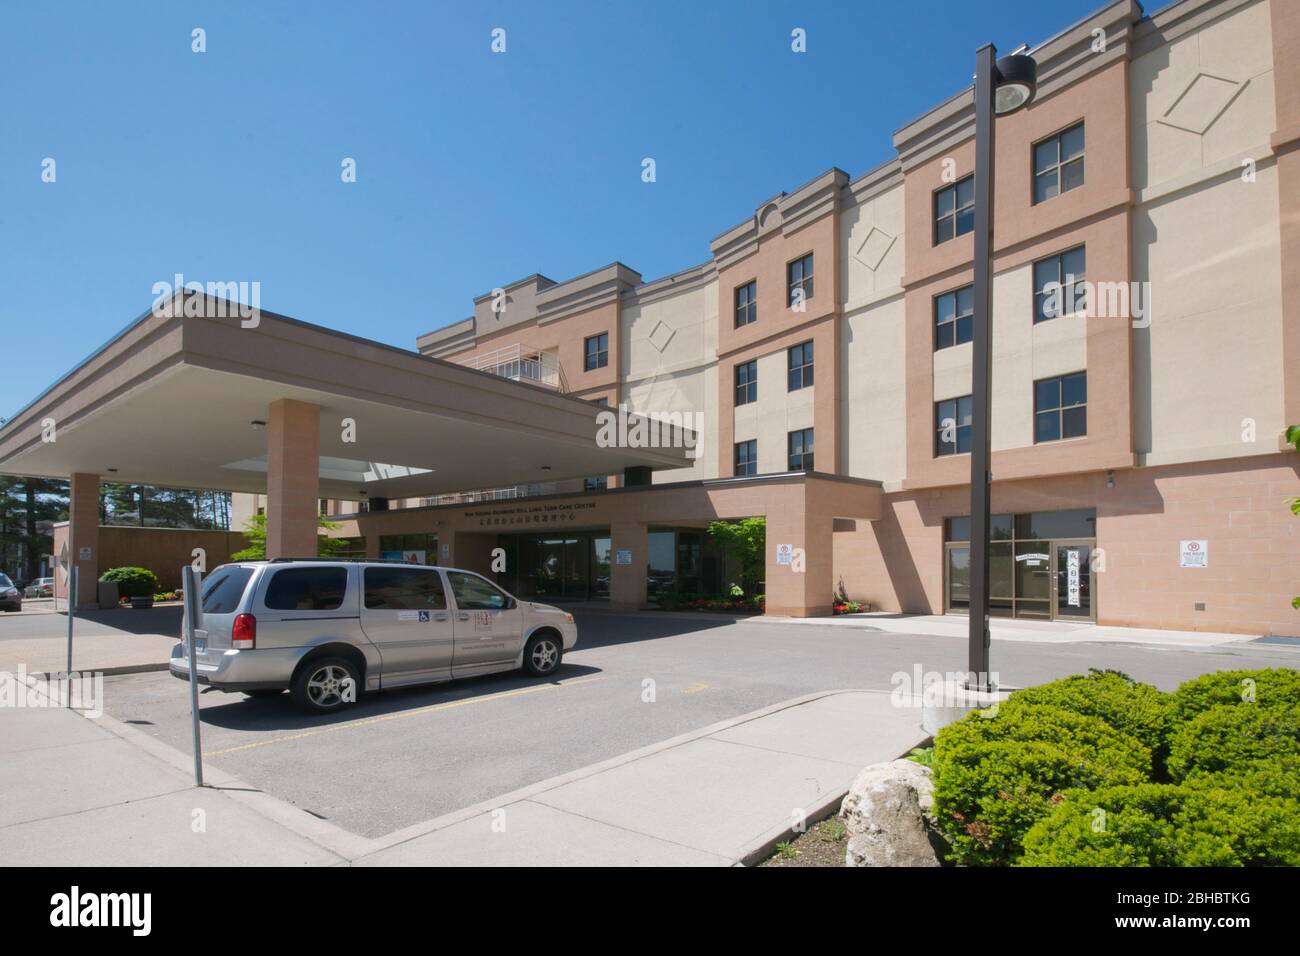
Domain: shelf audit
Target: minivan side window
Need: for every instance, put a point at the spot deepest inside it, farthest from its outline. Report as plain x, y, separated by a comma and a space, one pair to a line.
404, 589
222, 591
307, 589
473, 593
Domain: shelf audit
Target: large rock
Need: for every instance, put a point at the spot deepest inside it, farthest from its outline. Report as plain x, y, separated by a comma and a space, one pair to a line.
888, 814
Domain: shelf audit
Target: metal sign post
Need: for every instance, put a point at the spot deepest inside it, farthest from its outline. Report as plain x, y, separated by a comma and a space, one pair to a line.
72, 604
190, 579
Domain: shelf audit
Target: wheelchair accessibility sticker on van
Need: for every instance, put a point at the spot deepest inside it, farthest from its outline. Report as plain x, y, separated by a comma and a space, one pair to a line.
424, 617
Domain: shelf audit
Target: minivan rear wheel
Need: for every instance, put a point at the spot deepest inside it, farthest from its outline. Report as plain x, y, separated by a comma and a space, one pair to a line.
325, 685
542, 654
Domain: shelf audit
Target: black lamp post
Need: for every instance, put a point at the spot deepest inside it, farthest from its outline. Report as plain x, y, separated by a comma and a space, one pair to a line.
1001, 87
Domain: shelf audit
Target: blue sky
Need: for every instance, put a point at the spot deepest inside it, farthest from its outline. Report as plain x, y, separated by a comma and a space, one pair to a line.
473, 168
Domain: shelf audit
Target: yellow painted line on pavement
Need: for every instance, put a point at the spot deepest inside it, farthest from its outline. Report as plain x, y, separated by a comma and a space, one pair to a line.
697, 687
419, 711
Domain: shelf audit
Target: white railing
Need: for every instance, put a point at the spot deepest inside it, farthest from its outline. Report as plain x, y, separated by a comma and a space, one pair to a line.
522, 365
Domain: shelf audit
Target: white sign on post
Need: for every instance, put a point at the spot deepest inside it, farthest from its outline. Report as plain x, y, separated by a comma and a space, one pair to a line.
1194, 554
622, 557
83, 554
784, 554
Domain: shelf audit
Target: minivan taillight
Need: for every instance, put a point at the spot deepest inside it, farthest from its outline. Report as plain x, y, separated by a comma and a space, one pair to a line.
243, 633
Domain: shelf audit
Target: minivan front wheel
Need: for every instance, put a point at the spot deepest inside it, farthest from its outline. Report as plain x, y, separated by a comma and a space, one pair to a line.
542, 654
326, 685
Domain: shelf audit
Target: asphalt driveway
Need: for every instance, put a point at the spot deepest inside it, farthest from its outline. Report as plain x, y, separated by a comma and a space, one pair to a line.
405, 756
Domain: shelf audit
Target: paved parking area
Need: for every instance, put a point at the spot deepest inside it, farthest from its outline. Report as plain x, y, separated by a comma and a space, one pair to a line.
407, 756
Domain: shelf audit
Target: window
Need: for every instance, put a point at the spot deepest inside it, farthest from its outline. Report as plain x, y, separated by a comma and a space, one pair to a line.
952, 420
596, 349
404, 589
1061, 407
746, 383
411, 548
746, 458
222, 591
1059, 287
953, 312
800, 448
801, 366
800, 275
307, 589
1058, 164
954, 210
595, 484
746, 303
474, 593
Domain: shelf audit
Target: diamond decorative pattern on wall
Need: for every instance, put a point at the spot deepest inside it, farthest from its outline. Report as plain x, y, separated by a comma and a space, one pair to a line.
661, 335
1201, 102
874, 248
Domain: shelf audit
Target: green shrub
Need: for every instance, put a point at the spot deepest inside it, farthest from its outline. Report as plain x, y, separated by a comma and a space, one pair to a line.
1139, 710
132, 582
995, 776
1278, 685
1166, 825
1233, 737
1270, 776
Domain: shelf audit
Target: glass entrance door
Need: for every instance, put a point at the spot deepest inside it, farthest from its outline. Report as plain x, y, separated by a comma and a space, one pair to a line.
1072, 581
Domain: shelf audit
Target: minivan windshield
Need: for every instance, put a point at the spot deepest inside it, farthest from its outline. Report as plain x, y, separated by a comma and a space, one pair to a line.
5, 582
222, 591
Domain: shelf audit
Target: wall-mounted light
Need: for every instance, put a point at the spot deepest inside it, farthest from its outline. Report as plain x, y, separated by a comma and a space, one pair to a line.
257, 424
1110, 479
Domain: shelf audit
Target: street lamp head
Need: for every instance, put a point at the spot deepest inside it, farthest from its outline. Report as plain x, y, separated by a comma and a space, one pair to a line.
1015, 82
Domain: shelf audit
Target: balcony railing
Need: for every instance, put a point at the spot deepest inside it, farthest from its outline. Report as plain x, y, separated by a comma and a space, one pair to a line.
522, 365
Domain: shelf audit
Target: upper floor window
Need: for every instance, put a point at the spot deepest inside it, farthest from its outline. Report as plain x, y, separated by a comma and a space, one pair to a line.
800, 276
746, 462
1059, 287
953, 312
952, 421
746, 383
1058, 163
595, 484
800, 450
1061, 407
801, 366
746, 303
954, 210
596, 351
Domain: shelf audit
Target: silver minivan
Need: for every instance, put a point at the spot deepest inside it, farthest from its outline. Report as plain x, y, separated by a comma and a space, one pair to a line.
328, 630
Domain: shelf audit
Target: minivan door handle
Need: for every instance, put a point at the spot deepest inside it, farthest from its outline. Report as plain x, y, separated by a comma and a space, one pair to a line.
463, 616
440, 616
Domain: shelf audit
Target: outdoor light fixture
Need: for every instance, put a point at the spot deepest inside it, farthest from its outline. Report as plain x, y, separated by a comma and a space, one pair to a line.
1015, 82
1001, 87
257, 424
1110, 479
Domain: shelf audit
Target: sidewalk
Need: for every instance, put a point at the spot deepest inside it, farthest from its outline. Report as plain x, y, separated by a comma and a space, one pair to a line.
81, 791
110, 642
1002, 629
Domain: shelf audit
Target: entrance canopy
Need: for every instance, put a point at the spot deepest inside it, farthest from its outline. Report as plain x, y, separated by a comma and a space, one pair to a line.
185, 401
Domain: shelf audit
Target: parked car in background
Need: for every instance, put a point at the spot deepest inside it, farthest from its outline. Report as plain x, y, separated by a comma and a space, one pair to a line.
327, 631
11, 599
40, 588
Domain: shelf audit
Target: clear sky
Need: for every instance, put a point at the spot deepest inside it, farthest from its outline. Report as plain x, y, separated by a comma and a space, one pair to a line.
473, 168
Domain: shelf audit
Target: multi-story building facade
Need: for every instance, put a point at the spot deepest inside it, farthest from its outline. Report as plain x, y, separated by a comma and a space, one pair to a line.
1146, 343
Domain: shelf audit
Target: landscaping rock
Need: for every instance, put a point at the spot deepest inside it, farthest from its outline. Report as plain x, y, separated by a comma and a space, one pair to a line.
888, 815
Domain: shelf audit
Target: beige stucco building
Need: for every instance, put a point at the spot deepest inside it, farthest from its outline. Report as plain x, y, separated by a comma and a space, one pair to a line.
1139, 470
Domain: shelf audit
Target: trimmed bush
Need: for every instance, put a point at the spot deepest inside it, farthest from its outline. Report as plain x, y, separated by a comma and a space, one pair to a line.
1139, 710
1271, 776
1232, 737
995, 776
1166, 825
1276, 686
132, 582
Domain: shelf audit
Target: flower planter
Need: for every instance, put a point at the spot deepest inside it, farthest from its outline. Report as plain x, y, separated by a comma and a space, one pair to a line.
142, 603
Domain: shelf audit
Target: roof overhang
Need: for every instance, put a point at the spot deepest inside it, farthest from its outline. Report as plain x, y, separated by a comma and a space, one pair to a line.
170, 402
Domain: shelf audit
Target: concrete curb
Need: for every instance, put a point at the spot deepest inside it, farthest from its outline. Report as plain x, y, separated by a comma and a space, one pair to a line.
106, 671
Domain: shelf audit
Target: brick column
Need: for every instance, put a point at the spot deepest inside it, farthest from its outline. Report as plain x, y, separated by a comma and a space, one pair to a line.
83, 537
805, 586
627, 586
292, 479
